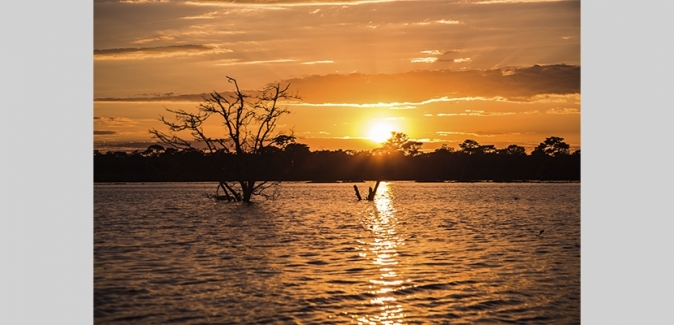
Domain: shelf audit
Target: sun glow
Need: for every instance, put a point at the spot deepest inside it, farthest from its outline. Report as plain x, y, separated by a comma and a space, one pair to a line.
380, 132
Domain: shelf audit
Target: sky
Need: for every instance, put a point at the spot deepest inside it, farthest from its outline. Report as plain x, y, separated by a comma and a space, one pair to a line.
498, 72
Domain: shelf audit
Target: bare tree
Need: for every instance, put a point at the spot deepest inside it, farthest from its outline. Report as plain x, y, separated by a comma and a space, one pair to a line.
249, 132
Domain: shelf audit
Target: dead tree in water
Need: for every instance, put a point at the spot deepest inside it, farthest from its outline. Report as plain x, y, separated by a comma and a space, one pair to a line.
249, 133
370, 192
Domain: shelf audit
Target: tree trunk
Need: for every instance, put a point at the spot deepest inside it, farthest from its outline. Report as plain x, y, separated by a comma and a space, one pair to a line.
247, 189
357, 193
246, 196
371, 192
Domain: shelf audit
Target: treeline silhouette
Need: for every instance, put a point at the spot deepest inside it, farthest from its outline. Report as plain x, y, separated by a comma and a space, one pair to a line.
397, 159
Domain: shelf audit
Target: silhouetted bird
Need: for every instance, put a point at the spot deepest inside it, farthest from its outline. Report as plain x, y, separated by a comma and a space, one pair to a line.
540, 232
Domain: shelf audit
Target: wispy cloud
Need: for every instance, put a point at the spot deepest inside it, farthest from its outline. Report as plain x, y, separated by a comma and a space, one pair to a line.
432, 52
239, 62
109, 120
399, 105
462, 60
319, 62
154, 39
556, 98
281, 3
208, 15
167, 97
104, 132
143, 1
514, 1
448, 22
160, 52
111, 146
563, 111
446, 133
324, 135
210, 32
424, 60
476, 113
481, 134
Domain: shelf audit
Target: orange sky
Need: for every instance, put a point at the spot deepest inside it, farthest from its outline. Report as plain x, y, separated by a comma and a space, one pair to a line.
498, 72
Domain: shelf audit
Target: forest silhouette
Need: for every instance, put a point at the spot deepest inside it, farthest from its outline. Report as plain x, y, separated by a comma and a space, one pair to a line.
397, 159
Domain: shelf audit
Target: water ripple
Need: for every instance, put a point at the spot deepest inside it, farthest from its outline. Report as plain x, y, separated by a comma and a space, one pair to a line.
420, 253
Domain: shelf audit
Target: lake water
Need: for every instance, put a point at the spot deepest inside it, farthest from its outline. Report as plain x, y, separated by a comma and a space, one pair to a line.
421, 253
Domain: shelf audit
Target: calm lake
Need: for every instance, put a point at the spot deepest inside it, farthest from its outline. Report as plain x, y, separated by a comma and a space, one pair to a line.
421, 253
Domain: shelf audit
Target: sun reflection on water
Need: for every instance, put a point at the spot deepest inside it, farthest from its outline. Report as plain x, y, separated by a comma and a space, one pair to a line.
382, 222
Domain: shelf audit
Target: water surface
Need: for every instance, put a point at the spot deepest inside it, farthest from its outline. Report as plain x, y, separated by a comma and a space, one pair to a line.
454, 253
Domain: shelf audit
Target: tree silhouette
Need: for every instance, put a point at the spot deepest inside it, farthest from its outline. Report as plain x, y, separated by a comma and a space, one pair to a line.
295, 162
513, 150
399, 142
469, 147
249, 135
552, 146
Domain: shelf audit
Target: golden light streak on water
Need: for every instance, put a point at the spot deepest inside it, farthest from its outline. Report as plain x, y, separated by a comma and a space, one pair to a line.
382, 223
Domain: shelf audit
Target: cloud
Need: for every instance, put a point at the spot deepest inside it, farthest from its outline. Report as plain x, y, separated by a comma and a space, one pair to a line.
211, 32
111, 146
563, 111
446, 133
556, 98
169, 97
319, 62
522, 84
448, 22
476, 113
538, 84
481, 134
113, 120
513, 1
153, 39
432, 52
397, 105
141, 53
282, 3
104, 132
239, 62
143, 1
462, 60
424, 60
208, 15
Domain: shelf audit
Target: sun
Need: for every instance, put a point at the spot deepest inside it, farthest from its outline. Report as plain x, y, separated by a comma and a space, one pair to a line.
380, 132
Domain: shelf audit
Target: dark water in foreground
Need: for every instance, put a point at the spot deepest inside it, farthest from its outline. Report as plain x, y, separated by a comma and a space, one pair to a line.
452, 253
